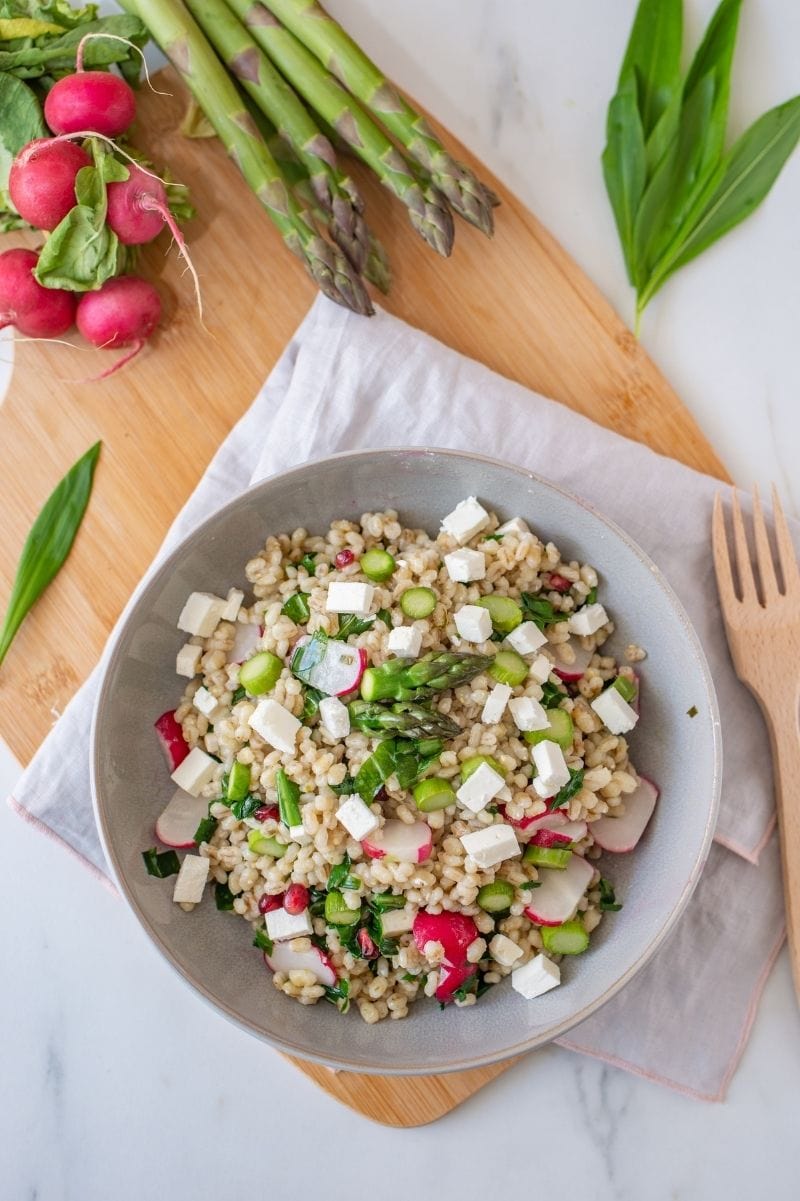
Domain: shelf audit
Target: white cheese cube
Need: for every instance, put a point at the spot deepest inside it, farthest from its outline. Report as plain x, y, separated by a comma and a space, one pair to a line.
535, 977
335, 717
349, 597
405, 641
467, 519
356, 817
505, 794
276, 725
397, 921
233, 604
527, 638
517, 525
191, 879
282, 925
495, 705
491, 845
528, 714
482, 786
209, 705
297, 833
188, 659
539, 670
551, 767
587, 620
473, 623
195, 772
614, 711
504, 951
201, 614
465, 565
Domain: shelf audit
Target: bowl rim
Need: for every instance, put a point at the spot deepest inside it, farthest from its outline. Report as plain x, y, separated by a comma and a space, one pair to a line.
477, 1060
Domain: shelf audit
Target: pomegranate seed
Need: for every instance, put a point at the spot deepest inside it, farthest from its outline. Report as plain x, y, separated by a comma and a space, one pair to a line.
559, 583
367, 945
266, 812
296, 898
268, 902
344, 558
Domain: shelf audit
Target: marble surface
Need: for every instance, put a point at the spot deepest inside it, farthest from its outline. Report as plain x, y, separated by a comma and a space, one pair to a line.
117, 1083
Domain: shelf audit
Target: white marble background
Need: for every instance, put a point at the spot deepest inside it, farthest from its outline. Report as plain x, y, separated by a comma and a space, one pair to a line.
117, 1084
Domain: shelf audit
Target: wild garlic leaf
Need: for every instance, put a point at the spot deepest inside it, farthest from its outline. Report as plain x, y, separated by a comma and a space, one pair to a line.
653, 55
624, 165
714, 57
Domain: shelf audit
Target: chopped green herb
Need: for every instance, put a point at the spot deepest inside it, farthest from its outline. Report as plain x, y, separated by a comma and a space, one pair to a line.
246, 807
569, 790
693, 711
223, 897
298, 608
205, 830
340, 876
262, 940
608, 898
382, 901
493, 538
409, 978
531, 884
310, 563
339, 995
349, 624
591, 595
466, 988
316, 906
238, 695
540, 611
346, 788
311, 700
552, 695
161, 863
385, 616
386, 946
483, 987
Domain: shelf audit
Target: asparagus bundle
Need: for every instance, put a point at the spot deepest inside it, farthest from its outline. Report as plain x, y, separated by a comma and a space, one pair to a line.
405, 720
399, 680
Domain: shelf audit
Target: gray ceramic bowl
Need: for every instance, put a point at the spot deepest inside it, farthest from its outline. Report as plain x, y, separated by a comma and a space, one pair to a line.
212, 951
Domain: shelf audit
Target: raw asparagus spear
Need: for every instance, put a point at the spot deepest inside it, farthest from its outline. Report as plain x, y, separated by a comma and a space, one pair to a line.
399, 680
427, 207
404, 719
337, 51
177, 34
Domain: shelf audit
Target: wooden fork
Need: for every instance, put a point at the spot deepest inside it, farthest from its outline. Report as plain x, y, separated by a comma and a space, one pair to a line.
763, 628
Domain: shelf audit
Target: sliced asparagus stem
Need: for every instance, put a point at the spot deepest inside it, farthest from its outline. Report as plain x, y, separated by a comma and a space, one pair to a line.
399, 680
337, 51
428, 209
174, 30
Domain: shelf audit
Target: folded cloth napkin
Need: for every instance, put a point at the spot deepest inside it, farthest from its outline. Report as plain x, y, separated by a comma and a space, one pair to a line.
345, 384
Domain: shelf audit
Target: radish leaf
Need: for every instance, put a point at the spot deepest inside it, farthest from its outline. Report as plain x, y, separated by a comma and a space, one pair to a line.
21, 122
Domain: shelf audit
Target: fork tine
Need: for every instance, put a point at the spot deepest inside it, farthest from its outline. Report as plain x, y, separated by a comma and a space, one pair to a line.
786, 552
766, 568
722, 561
744, 567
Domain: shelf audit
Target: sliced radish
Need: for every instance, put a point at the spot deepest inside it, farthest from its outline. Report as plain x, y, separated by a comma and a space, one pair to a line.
339, 670
170, 735
455, 931
283, 959
557, 897
619, 834
451, 979
575, 831
245, 641
572, 672
550, 838
397, 840
177, 824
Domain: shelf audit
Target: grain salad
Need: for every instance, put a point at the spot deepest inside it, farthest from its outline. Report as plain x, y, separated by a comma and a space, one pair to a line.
399, 758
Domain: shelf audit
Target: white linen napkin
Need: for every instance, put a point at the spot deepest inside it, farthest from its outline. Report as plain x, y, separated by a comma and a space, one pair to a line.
344, 383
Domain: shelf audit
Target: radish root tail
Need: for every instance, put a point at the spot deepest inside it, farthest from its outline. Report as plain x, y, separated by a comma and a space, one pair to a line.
114, 37
29, 151
153, 205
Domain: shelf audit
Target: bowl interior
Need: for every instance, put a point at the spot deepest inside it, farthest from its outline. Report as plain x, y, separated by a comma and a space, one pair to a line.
213, 952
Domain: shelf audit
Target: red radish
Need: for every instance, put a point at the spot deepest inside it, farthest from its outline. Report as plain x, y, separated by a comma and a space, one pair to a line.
268, 902
366, 944
455, 931
95, 100
620, 834
296, 898
575, 831
572, 672
170, 734
559, 583
178, 823
556, 899
339, 670
405, 843
41, 182
451, 979
283, 959
35, 311
550, 838
344, 558
245, 641
267, 813
124, 312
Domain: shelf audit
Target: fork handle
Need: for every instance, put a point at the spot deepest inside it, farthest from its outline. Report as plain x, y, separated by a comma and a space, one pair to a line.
785, 738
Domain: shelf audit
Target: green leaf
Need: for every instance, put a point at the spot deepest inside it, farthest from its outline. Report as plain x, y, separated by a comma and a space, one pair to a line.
223, 897
653, 57
340, 876
78, 255
624, 165
714, 58
339, 995
49, 542
245, 808
311, 700
569, 790
20, 122
541, 611
57, 54
552, 695
205, 830
262, 940
608, 899
161, 865
349, 624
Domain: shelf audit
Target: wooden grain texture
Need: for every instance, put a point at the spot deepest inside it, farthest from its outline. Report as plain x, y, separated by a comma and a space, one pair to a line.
518, 304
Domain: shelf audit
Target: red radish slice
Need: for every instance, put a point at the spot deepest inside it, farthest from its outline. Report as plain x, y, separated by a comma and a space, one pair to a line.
455, 931
177, 824
340, 669
555, 900
572, 672
283, 959
575, 831
620, 834
550, 838
451, 979
245, 641
559, 583
396, 840
171, 737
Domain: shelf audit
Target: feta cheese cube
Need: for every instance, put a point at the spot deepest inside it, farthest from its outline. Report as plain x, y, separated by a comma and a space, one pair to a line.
195, 772
405, 641
467, 519
335, 717
209, 705
465, 565
349, 597
191, 879
297, 833
587, 620
276, 725
528, 714
356, 817
481, 787
517, 525
535, 977
201, 614
614, 711
504, 951
539, 670
187, 660
491, 845
282, 925
495, 705
551, 767
527, 638
473, 623
233, 604
397, 921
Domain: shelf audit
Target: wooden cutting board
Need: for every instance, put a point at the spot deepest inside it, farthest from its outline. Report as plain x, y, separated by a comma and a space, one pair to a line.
518, 304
